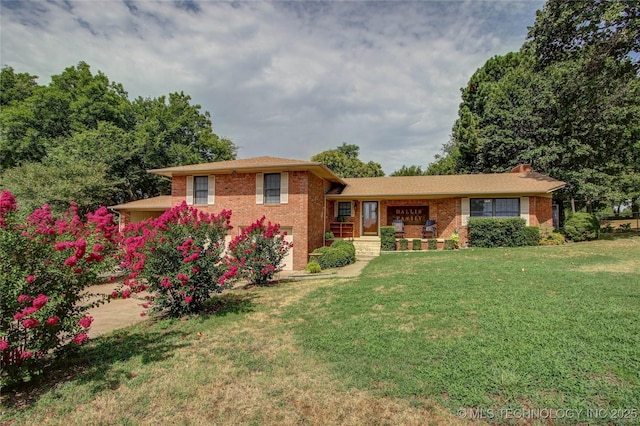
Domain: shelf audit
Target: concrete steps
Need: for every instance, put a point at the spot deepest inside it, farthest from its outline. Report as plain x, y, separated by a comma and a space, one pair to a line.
367, 247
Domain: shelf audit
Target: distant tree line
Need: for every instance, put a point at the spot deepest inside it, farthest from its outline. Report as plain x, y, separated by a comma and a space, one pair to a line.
80, 138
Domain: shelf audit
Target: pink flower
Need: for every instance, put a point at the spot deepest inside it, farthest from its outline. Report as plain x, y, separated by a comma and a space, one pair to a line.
30, 323
114, 295
53, 320
30, 279
85, 322
80, 338
71, 261
126, 293
188, 299
18, 316
64, 245
26, 354
4, 345
194, 256
40, 301
166, 283
29, 310
24, 298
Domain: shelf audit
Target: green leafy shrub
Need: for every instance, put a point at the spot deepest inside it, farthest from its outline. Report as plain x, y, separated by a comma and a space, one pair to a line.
313, 267
553, 239
449, 245
532, 235
432, 244
455, 237
340, 253
404, 244
497, 232
416, 244
329, 235
582, 227
387, 238
45, 265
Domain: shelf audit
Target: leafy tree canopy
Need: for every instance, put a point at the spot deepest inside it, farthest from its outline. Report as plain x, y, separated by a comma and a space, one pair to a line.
81, 139
408, 171
344, 162
568, 103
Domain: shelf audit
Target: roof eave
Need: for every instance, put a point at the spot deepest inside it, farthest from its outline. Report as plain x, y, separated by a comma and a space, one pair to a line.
317, 168
443, 194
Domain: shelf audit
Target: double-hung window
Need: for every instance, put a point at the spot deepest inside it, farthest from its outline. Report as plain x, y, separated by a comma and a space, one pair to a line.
495, 207
344, 208
272, 188
200, 189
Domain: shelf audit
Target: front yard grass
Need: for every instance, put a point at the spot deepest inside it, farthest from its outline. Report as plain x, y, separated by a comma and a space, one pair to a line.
416, 338
501, 329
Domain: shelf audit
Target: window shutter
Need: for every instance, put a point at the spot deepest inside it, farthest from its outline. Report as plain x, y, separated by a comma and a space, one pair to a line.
524, 209
211, 194
465, 210
284, 188
259, 188
190, 190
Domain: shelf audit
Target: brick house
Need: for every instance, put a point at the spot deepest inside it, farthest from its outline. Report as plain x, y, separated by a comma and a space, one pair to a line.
307, 200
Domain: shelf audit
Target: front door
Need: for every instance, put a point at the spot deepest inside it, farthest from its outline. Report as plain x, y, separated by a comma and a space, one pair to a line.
369, 218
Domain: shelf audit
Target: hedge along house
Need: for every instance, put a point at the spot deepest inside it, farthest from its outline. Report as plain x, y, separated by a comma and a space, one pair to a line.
307, 200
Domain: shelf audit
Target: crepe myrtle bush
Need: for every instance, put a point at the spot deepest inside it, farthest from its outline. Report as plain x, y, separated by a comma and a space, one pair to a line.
259, 250
45, 265
179, 258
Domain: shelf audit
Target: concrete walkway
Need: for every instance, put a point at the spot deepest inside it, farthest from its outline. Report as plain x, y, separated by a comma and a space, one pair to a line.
120, 313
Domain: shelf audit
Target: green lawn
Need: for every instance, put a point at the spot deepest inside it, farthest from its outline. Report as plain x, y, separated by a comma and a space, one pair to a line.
416, 338
544, 327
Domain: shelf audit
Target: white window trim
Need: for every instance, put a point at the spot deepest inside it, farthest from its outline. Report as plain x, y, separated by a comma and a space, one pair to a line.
211, 191
211, 196
465, 208
259, 188
190, 190
524, 209
284, 188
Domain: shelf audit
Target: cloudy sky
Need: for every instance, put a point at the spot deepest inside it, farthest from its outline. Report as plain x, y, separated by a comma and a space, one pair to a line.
287, 79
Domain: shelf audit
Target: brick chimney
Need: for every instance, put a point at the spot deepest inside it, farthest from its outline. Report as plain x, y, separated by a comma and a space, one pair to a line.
521, 168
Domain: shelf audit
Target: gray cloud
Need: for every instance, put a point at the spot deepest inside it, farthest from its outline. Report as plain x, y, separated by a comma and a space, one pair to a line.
287, 79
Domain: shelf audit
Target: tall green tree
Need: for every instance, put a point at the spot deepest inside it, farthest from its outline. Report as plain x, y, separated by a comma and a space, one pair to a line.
344, 162
83, 132
567, 103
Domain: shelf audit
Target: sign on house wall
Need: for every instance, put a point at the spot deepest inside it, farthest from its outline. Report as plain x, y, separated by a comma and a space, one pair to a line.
410, 215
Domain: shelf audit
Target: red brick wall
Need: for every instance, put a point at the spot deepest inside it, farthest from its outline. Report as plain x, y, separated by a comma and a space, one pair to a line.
178, 190
315, 217
237, 192
541, 211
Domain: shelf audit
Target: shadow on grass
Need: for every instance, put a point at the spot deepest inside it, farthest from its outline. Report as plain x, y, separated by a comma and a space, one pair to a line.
229, 303
102, 364
615, 236
98, 364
